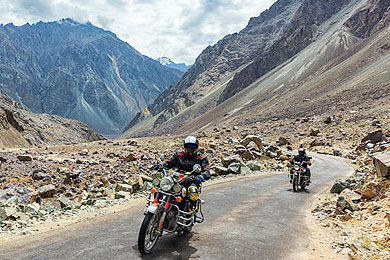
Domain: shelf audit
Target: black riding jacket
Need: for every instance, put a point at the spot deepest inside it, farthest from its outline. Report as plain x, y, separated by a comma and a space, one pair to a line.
185, 163
304, 158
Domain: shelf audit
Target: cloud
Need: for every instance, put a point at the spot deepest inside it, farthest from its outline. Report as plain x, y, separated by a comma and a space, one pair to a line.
179, 30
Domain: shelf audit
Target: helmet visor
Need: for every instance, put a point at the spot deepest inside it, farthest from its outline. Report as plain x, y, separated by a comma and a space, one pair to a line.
190, 146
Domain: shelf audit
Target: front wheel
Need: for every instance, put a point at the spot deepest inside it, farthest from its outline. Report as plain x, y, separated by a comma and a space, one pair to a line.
148, 234
295, 183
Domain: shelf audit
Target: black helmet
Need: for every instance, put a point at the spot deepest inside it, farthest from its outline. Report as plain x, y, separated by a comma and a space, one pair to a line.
191, 144
301, 151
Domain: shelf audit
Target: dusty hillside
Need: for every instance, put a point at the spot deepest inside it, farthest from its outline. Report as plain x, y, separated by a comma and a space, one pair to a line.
21, 128
79, 71
347, 73
336, 68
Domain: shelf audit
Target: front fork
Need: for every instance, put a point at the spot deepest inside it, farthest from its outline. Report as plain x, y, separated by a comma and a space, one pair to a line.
164, 214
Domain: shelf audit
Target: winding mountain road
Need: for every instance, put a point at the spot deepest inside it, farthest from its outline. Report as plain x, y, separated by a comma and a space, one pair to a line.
251, 218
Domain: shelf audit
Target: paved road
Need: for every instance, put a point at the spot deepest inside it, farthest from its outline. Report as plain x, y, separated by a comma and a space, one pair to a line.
256, 218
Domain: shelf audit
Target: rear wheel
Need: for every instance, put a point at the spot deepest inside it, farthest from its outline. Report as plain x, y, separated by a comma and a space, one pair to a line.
148, 234
295, 183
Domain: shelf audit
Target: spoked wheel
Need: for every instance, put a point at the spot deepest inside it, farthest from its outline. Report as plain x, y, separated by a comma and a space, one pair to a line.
303, 184
295, 184
148, 234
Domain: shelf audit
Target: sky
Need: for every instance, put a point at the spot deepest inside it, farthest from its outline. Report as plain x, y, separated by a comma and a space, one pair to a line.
178, 29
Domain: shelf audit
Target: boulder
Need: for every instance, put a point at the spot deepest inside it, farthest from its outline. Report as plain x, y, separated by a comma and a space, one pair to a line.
336, 153
284, 157
374, 137
317, 142
24, 158
273, 149
122, 194
253, 138
382, 164
234, 168
338, 186
254, 165
146, 178
388, 217
47, 191
32, 209
124, 187
251, 146
244, 170
220, 170
256, 154
240, 149
147, 186
130, 158
328, 120
272, 154
3, 214
136, 182
350, 195
11, 202
132, 142
64, 202
79, 161
84, 152
370, 190
38, 175
145, 157
247, 155
283, 141
344, 204
314, 132
234, 141
62, 170
226, 161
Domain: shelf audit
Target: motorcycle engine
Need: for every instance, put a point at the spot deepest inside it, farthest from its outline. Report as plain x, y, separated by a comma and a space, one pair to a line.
171, 220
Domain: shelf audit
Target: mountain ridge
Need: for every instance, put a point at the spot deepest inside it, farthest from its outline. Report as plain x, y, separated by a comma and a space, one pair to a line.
169, 63
221, 59
79, 71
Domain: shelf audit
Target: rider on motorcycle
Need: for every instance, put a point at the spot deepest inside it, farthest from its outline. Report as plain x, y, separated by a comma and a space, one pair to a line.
301, 157
185, 161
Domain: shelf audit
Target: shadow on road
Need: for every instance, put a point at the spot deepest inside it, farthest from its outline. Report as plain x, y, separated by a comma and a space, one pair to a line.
171, 246
306, 191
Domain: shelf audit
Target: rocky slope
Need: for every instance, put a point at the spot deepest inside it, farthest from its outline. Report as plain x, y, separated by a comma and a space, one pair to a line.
79, 71
298, 35
327, 76
355, 214
21, 128
220, 60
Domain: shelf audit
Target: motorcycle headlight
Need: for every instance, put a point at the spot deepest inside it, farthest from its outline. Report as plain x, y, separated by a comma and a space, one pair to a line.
156, 182
296, 168
166, 183
176, 188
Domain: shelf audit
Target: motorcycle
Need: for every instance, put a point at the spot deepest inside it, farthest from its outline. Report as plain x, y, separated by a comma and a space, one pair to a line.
173, 208
298, 176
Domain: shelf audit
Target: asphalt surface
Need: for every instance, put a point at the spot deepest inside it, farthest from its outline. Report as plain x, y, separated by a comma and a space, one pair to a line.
254, 218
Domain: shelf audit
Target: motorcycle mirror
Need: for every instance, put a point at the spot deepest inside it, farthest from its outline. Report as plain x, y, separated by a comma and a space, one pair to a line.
197, 168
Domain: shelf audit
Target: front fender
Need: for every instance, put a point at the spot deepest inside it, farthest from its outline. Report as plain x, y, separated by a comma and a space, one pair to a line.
153, 208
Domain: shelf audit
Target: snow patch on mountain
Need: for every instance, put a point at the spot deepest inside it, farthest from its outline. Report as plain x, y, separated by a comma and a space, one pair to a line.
165, 61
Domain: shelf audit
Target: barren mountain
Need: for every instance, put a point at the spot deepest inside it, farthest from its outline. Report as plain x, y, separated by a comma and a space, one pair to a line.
79, 71
21, 128
218, 61
331, 54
